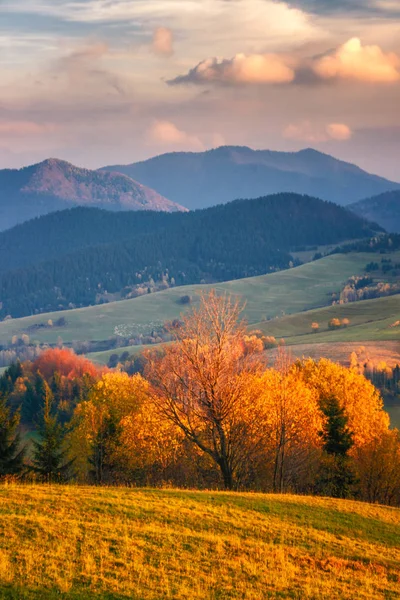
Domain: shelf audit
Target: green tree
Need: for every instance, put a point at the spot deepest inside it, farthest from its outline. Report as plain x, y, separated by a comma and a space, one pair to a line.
336, 477
11, 453
49, 454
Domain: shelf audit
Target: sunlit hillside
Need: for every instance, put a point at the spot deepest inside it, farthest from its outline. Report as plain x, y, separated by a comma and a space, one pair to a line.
303, 288
91, 543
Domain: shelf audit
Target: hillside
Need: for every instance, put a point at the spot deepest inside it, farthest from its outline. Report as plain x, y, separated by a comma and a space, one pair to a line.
202, 179
242, 239
287, 292
55, 184
370, 320
150, 544
383, 209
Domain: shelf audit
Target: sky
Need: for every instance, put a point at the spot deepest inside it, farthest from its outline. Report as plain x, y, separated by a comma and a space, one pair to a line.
100, 82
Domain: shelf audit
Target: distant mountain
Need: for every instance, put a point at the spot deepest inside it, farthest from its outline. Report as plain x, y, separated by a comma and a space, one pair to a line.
383, 209
56, 184
199, 180
95, 253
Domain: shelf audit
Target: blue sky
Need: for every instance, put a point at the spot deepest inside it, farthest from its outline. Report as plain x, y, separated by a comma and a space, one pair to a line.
109, 81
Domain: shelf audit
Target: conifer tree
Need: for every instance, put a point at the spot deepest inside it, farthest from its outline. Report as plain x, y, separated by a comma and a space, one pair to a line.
11, 453
336, 476
50, 455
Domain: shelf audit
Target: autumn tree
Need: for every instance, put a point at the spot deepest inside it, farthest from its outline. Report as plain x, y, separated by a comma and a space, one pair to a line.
99, 423
378, 469
334, 324
361, 401
200, 384
290, 420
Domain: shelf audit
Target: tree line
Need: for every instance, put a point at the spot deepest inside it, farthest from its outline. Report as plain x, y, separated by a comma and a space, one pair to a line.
208, 412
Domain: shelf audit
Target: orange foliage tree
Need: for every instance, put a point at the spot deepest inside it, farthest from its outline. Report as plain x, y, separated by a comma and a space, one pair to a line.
200, 384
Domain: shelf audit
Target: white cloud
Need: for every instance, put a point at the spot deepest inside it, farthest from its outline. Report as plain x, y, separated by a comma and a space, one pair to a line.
354, 61
165, 133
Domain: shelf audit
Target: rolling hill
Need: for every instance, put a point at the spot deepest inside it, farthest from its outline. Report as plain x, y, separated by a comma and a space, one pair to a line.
55, 184
268, 297
241, 239
202, 179
383, 209
143, 544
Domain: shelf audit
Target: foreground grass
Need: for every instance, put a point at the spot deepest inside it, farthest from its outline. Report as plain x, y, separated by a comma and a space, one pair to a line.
150, 544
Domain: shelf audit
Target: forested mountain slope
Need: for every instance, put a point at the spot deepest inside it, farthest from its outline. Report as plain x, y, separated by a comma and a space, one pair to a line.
202, 179
383, 209
241, 239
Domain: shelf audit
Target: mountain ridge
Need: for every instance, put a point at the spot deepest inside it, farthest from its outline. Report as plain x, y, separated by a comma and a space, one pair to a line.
54, 184
203, 179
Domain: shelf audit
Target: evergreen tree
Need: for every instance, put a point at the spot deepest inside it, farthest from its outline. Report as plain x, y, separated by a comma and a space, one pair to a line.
105, 441
11, 454
34, 399
9, 377
49, 455
336, 477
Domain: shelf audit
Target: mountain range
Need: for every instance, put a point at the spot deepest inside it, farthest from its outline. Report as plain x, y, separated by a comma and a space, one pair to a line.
55, 184
183, 180
80, 256
202, 179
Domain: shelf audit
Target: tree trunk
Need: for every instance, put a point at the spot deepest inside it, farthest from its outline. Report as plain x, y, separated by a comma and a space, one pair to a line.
226, 472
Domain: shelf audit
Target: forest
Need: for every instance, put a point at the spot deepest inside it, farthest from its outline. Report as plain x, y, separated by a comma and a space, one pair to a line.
241, 239
207, 412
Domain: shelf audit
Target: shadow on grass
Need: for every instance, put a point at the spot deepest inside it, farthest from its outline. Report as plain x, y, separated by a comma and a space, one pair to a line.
9, 592
322, 518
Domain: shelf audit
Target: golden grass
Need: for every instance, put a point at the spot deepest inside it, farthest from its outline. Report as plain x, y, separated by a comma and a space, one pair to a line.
154, 544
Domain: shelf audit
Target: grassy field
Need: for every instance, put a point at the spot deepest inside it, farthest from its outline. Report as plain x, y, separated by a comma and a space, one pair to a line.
90, 543
304, 288
370, 320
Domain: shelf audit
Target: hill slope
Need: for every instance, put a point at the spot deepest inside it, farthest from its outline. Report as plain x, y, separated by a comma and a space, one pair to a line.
149, 544
56, 184
303, 288
198, 180
383, 209
241, 239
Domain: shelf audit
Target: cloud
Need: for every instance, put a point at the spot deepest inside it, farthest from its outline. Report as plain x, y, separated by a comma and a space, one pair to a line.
313, 134
163, 42
165, 133
26, 128
354, 61
381, 8
339, 131
239, 70
83, 66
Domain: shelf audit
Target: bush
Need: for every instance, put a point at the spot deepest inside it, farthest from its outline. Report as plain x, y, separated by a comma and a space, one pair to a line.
185, 300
